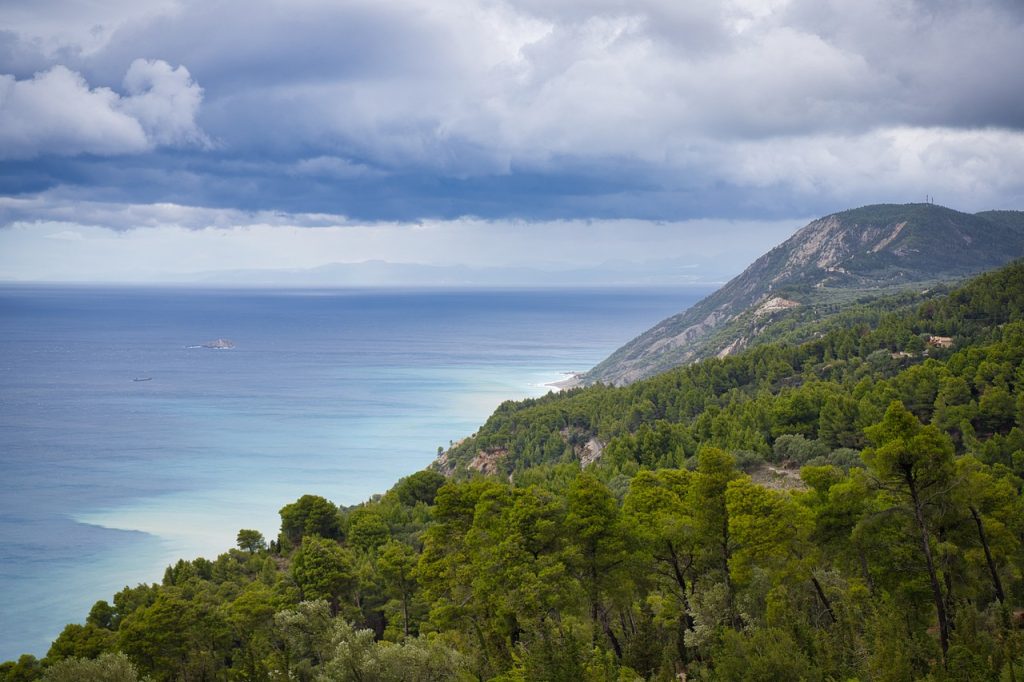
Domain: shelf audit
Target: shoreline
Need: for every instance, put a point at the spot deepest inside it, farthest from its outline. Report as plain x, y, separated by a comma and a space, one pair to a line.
571, 380
181, 438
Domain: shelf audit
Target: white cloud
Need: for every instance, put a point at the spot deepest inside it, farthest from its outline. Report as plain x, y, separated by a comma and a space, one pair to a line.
164, 101
66, 235
123, 216
968, 169
57, 113
531, 79
56, 24
333, 167
825, 98
84, 241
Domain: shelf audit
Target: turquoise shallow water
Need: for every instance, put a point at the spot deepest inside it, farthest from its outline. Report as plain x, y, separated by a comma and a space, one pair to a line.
338, 393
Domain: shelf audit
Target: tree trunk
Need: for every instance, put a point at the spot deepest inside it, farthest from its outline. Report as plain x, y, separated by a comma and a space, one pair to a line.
824, 599
627, 622
734, 616
950, 600
607, 627
681, 650
405, 612
940, 603
865, 571
677, 572
997, 584
686, 623
483, 646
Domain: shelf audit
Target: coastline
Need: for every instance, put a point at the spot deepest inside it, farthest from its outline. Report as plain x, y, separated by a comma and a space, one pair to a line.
365, 398
571, 380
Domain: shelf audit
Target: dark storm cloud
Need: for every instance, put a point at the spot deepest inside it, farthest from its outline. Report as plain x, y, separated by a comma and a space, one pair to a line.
233, 47
611, 109
20, 57
939, 62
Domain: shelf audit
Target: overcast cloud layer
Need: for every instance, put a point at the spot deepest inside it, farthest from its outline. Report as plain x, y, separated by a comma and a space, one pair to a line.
413, 110
50, 240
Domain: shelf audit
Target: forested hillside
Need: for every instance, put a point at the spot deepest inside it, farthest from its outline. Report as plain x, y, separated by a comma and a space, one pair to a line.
848, 508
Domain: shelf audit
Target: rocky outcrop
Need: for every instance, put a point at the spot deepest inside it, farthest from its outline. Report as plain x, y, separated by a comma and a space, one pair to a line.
870, 248
773, 305
487, 461
590, 452
778, 477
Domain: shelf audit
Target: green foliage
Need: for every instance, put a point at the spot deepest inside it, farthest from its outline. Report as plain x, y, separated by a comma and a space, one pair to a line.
110, 667
764, 655
675, 553
322, 569
310, 515
826, 389
770, 530
419, 487
178, 635
797, 449
562, 653
251, 540
906, 452
101, 615
355, 657
26, 669
396, 564
81, 641
367, 529
303, 638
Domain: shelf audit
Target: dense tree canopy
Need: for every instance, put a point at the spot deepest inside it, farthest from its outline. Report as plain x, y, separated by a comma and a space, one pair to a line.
845, 508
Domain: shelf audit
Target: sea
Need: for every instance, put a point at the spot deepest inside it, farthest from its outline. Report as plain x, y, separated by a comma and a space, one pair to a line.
126, 442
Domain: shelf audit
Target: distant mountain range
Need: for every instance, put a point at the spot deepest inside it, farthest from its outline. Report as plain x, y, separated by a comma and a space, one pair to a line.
831, 261
690, 271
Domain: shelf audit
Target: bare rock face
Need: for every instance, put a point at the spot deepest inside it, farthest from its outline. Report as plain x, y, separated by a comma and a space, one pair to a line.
774, 305
486, 461
870, 248
443, 464
590, 452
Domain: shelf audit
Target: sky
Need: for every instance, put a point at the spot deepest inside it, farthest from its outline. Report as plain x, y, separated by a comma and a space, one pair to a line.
173, 140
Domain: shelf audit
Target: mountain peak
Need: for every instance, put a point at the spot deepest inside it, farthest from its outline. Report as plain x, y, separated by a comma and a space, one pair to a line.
873, 247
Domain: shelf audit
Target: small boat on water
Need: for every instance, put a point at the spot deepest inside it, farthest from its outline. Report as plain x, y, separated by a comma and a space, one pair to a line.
220, 344
137, 379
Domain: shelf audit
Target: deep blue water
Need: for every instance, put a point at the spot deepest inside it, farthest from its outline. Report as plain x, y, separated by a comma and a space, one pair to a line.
106, 480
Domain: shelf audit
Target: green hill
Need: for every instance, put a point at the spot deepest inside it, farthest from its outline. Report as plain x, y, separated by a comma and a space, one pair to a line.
846, 507
863, 342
